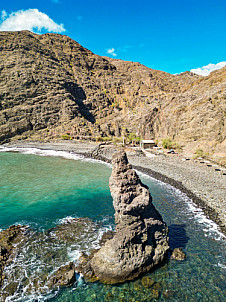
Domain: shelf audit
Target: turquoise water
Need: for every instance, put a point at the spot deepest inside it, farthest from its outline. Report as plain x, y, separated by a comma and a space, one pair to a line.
39, 190
42, 191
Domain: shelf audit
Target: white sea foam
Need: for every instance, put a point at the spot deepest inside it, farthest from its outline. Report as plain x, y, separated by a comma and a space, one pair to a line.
92, 160
73, 255
52, 153
96, 243
221, 265
208, 226
67, 219
42, 152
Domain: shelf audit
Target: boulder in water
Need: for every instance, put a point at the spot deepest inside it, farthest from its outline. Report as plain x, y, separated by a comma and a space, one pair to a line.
178, 254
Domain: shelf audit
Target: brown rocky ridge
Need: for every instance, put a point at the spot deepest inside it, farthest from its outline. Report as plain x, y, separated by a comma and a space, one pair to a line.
51, 86
141, 238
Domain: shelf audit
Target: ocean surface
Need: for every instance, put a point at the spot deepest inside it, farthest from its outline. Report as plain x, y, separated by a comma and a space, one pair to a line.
42, 189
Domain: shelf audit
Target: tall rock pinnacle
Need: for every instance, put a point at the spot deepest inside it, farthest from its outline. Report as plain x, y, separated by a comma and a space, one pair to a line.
141, 240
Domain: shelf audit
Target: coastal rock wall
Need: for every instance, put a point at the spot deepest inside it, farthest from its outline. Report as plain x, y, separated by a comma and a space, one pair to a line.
141, 239
52, 86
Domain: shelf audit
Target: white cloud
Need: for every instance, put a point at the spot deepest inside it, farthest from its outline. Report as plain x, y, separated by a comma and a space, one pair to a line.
30, 19
3, 15
206, 70
111, 51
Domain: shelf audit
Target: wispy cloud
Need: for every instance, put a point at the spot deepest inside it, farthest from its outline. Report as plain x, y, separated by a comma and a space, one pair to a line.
3, 15
111, 51
206, 70
125, 48
30, 19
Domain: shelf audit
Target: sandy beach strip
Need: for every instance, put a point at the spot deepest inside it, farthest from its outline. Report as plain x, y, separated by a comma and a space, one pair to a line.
203, 182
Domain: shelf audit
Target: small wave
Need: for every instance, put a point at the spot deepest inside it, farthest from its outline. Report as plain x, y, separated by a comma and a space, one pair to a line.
73, 255
221, 265
93, 160
41, 152
67, 219
52, 153
96, 243
32, 297
208, 226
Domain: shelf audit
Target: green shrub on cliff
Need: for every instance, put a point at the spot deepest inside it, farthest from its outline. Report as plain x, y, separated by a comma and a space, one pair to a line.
168, 143
133, 137
199, 153
65, 137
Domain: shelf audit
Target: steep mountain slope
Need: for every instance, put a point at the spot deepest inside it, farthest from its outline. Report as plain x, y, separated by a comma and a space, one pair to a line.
50, 85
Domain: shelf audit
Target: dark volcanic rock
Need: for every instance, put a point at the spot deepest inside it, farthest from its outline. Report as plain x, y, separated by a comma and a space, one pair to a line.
141, 240
64, 276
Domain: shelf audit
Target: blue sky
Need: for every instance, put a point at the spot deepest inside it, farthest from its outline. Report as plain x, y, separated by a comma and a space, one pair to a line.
173, 36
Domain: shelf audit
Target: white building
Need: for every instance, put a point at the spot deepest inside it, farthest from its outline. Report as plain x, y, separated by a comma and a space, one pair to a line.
147, 144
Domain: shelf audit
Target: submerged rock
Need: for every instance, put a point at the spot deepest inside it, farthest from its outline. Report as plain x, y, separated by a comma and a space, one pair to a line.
178, 254
141, 238
147, 282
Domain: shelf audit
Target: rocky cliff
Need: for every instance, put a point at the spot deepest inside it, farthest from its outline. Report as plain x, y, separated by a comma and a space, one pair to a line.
140, 241
52, 86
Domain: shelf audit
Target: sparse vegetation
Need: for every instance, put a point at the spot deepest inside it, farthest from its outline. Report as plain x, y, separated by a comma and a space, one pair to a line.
168, 143
117, 140
65, 137
103, 139
199, 153
115, 104
133, 137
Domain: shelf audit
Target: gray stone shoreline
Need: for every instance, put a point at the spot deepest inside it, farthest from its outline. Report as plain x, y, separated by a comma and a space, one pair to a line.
203, 182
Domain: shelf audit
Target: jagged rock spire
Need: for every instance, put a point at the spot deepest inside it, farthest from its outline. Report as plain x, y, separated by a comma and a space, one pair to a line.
141, 238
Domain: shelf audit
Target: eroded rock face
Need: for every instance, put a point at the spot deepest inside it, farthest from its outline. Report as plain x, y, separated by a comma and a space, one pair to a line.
141, 239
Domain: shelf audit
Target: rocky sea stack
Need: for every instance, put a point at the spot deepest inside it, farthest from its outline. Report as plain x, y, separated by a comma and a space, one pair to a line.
141, 238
